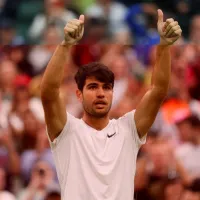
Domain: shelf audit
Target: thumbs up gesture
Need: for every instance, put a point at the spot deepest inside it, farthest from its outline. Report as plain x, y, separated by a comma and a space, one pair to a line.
74, 30
169, 31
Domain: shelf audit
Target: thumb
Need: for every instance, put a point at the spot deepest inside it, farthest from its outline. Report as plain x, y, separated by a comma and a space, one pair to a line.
160, 16
82, 18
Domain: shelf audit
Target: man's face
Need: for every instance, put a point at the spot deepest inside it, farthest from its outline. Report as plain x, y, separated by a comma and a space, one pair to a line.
96, 97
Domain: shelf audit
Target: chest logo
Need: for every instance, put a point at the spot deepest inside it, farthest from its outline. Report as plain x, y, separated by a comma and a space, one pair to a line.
109, 136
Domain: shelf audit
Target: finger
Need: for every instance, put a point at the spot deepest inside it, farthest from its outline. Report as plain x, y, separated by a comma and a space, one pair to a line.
172, 31
168, 21
75, 22
174, 39
82, 18
178, 32
75, 27
78, 23
160, 16
169, 27
69, 31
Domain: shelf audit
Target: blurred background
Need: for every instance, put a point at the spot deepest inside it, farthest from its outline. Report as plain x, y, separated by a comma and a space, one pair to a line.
122, 34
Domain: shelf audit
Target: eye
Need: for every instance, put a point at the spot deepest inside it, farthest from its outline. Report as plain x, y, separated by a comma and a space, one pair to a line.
107, 87
92, 87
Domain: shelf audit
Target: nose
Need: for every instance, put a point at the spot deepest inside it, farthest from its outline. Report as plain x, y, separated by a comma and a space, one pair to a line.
100, 93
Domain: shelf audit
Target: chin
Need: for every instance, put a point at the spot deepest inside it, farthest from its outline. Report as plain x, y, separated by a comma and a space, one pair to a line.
100, 114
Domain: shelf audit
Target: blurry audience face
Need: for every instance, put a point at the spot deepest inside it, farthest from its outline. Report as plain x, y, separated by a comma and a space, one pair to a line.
7, 36
31, 124
17, 55
119, 66
54, 7
7, 73
185, 131
161, 156
195, 30
43, 173
2, 179
96, 29
52, 36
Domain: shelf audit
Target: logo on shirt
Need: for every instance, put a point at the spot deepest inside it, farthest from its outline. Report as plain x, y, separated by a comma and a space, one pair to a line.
109, 136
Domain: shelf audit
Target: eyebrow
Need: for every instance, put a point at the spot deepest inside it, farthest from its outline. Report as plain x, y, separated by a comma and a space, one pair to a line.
92, 84
96, 84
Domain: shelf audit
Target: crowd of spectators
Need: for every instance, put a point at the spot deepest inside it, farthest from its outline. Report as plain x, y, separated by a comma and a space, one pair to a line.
122, 34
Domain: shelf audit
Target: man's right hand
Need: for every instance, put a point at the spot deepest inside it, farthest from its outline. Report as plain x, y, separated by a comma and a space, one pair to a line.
74, 30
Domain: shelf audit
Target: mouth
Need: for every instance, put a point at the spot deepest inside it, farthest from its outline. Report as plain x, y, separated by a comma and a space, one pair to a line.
100, 104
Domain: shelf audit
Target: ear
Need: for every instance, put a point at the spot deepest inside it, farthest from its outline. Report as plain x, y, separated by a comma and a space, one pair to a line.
79, 95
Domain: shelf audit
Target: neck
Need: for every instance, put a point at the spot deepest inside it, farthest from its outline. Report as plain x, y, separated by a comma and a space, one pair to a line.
95, 122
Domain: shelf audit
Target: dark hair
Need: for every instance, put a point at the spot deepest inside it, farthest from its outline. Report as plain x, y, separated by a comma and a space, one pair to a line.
101, 72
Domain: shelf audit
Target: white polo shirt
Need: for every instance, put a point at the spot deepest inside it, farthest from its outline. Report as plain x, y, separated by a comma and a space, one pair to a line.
97, 165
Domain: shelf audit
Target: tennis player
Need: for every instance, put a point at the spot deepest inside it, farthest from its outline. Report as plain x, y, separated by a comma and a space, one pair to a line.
95, 157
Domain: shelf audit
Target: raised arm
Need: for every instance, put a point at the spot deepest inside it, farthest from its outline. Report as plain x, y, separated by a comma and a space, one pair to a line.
148, 108
54, 107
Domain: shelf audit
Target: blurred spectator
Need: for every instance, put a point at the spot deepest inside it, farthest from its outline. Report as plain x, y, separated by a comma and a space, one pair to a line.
188, 153
142, 21
95, 36
183, 15
195, 30
156, 168
8, 8
55, 13
182, 119
3, 193
9, 158
68, 89
113, 11
8, 72
27, 139
41, 152
18, 55
39, 55
8, 33
42, 180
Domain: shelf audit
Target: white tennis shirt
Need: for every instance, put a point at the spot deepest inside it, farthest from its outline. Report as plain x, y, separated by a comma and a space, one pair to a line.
97, 165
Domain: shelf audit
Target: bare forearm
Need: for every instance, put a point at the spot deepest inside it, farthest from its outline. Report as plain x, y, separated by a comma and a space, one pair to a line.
54, 72
162, 70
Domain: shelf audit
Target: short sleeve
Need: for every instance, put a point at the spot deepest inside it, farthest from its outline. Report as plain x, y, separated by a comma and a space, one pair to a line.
128, 118
63, 133
61, 148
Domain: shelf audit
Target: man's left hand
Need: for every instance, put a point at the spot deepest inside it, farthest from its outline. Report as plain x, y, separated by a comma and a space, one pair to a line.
169, 31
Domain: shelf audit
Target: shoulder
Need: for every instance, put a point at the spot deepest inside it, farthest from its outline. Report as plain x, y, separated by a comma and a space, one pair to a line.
126, 122
127, 118
72, 124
